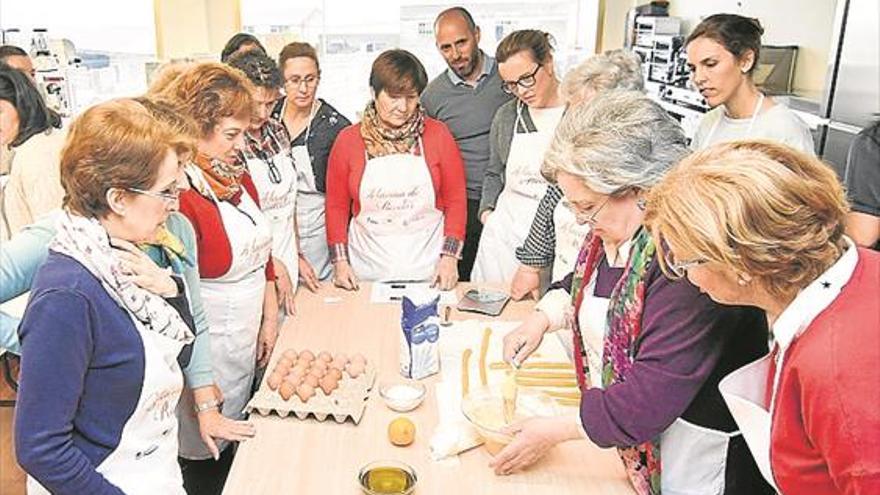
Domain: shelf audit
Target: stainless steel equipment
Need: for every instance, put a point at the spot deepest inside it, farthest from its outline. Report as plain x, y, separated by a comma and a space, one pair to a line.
852, 89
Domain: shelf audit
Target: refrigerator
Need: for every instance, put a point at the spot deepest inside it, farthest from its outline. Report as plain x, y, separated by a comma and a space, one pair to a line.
851, 100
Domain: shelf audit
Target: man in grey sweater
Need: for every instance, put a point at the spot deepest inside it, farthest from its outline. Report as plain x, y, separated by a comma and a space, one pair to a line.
465, 97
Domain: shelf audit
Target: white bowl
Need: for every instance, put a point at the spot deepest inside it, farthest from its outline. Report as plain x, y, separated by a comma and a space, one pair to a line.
402, 397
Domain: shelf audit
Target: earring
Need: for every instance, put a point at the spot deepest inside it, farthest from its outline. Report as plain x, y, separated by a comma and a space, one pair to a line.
742, 282
641, 203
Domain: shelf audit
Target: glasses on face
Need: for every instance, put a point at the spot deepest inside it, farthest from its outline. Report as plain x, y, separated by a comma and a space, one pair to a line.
525, 82
169, 195
680, 268
585, 215
295, 81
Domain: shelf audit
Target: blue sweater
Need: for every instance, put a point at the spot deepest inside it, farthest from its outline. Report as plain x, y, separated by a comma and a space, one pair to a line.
82, 369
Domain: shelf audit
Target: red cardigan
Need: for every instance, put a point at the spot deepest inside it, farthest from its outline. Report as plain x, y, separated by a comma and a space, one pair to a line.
214, 250
346, 168
825, 433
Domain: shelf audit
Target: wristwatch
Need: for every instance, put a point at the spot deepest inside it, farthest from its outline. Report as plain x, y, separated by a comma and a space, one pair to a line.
210, 404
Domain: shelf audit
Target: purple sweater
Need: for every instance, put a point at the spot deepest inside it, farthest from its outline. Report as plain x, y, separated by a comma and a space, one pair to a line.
687, 345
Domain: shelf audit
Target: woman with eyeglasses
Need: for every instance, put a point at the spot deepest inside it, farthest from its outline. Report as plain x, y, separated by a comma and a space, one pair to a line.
760, 224
312, 125
106, 331
396, 203
649, 351
234, 241
521, 132
270, 164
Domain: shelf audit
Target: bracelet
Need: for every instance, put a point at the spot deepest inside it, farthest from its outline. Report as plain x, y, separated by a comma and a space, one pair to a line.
204, 406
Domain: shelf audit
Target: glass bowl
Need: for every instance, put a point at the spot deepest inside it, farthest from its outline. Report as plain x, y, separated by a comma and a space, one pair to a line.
484, 408
402, 396
387, 478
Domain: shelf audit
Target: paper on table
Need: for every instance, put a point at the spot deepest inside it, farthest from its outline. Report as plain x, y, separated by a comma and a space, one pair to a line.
392, 292
454, 434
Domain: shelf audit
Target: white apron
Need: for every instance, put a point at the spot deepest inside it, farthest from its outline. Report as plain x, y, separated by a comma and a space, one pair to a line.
708, 141
145, 461
233, 304
310, 210
276, 182
570, 237
398, 233
508, 225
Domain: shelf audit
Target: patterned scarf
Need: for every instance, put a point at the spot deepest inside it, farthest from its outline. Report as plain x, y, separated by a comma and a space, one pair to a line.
86, 241
171, 246
224, 179
382, 141
622, 330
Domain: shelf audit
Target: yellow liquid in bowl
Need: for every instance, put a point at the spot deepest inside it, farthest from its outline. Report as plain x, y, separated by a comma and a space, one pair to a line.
387, 480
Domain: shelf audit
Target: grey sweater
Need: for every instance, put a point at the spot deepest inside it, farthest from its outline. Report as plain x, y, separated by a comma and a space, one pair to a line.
468, 113
500, 137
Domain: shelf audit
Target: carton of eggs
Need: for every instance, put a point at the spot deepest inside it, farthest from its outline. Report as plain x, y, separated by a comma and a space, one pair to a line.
303, 374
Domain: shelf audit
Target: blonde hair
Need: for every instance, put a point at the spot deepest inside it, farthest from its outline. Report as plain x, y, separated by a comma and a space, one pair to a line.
757, 207
117, 144
613, 69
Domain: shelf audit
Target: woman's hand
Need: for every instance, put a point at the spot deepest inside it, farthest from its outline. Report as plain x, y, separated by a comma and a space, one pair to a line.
523, 340
142, 271
213, 425
484, 217
446, 274
526, 283
532, 439
343, 276
307, 274
269, 326
284, 287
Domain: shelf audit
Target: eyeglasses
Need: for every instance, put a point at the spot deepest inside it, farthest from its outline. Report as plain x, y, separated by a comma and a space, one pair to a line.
680, 268
525, 82
295, 81
170, 195
582, 213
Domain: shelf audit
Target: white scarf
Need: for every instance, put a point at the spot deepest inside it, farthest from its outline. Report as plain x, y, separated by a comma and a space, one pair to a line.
86, 241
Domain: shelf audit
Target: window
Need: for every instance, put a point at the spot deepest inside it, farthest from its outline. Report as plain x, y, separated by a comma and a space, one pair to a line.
112, 40
349, 35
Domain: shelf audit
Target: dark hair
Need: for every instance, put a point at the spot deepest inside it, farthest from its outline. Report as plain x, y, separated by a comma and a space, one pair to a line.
468, 18
7, 51
297, 49
398, 71
236, 42
538, 43
737, 34
258, 67
33, 115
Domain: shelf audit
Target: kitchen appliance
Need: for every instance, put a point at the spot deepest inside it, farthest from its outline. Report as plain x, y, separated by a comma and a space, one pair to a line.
852, 90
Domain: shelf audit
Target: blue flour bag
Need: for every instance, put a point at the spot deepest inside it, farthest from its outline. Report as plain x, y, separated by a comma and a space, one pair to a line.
420, 335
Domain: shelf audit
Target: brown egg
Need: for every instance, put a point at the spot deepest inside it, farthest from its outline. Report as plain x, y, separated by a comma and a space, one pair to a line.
355, 369
284, 363
339, 362
286, 390
307, 356
325, 356
359, 358
318, 372
329, 384
274, 381
301, 368
311, 380
319, 364
290, 354
294, 379
335, 373
305, 392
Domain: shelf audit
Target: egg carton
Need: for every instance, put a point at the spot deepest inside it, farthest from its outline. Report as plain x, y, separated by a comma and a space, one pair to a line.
347, 401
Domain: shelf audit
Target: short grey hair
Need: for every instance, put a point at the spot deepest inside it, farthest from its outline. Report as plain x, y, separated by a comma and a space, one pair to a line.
620, 140
613, 69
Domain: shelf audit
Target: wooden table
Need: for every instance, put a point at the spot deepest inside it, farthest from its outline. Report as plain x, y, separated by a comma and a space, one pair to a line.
292, 456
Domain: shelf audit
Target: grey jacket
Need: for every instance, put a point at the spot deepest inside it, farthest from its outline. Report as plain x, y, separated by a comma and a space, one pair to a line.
500, 137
